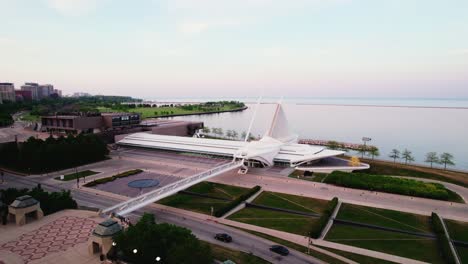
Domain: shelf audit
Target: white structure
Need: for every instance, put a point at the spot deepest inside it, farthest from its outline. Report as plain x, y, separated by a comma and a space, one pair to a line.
279, 146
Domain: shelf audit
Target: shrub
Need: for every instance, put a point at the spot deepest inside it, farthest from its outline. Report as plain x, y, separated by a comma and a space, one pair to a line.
389, 184
231, 205
442, 240
113, 178
317, 227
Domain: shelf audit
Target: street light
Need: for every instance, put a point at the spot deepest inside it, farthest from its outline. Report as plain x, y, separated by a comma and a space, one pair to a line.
365, 140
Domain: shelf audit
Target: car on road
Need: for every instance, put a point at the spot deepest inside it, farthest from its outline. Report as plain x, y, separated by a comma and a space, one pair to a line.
223, 237
283, 251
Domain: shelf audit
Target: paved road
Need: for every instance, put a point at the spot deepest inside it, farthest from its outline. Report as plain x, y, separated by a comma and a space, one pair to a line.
204, 230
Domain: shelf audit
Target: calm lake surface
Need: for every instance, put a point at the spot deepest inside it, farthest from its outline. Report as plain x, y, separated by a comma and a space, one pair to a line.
420, 126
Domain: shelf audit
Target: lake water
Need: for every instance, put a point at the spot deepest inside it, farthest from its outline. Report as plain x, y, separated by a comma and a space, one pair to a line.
421, 126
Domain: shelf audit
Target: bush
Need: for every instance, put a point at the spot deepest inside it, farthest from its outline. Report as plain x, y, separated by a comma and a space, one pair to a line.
317, 227
113, 178
442, 240
389, 184
231, 205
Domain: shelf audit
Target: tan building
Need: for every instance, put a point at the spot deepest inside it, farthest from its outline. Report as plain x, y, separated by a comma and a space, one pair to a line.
34, 89
7, 92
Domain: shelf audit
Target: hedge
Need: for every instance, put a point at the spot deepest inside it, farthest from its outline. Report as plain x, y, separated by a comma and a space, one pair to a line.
442, 241
231, 205
389, 184
317, 227
113, 178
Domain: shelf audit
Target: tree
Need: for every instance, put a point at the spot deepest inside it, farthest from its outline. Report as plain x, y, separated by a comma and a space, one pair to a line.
206, 130
145, 241
229, 133
394, 154
234, 134
220, 132
362, 149
431, 157
446, 159
374, 152
333, 144
407, 155
243, 135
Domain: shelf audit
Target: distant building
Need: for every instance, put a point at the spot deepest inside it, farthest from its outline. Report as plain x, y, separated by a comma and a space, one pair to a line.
36, 92
23, 95
46, 90
40, 91
79, 123
80, 94
7, 92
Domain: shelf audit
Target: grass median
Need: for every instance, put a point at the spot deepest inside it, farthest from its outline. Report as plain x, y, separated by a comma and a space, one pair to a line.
393, 185
73, 176
113, 177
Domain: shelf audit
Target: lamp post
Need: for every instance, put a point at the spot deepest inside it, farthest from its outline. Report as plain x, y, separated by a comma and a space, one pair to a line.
365, 140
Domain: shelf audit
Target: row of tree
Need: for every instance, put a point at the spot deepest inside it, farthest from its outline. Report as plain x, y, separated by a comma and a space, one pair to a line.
431, 157
38, 156
230, 134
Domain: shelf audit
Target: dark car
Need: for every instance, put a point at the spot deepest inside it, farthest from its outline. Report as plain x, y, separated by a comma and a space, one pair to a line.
223, 237
280, 250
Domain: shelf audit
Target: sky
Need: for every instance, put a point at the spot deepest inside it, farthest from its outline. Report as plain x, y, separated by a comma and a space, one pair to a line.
220, 48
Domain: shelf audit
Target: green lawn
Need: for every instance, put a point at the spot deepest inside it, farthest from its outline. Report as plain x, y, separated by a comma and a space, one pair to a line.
458, 230
80, 174
361, 259
29, 117
387, 168
163, 111
193, 203
222, 254
463, 254
218, 190
291, 202
316, 177
388, 242
385, 218
201, 204
286, 222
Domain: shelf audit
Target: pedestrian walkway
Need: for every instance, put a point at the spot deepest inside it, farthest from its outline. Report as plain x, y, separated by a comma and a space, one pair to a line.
330, 221
242, 205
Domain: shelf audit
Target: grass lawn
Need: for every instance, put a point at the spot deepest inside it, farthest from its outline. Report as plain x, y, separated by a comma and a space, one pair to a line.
286, 222
457, 230
201, 204
316, 177
389, 168
388, 242
223, 253
80, 174
358, 258
193, 203
29, 117
218, 190
463, 254
162, 111
291, 202
385, 218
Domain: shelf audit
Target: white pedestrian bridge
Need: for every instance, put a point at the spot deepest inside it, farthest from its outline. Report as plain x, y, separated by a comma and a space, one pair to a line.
143, 200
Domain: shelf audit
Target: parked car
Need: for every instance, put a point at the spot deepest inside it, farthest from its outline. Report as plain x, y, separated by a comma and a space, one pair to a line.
223, 237
283, 251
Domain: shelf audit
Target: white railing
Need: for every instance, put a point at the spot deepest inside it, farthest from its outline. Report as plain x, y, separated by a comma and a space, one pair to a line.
155, 195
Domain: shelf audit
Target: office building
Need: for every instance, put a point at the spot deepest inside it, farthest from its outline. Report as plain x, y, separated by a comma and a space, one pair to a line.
7, 92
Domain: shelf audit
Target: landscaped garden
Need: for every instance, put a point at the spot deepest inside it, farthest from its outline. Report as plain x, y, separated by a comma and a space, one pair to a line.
459, 231
204, 197
385, 218
113, 177
392, 185
282, 220
405, 245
